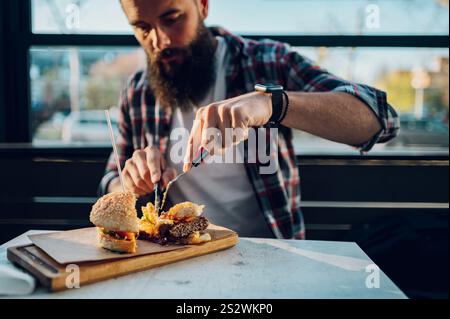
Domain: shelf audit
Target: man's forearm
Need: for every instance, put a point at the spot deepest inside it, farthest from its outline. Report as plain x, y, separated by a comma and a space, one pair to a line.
339, 117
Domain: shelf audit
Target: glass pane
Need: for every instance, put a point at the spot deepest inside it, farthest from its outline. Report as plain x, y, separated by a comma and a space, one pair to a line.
70, 87
66, 81
71, 17
417, 84
347, 17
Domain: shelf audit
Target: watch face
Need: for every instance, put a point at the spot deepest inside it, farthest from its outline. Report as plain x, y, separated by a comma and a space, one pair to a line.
274, 87
268, 87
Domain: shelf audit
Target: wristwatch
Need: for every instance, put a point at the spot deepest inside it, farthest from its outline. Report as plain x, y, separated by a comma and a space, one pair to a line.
277, 100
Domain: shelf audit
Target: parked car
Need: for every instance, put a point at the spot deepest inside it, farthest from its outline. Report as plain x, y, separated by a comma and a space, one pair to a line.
431, 132
88, 127
50, 130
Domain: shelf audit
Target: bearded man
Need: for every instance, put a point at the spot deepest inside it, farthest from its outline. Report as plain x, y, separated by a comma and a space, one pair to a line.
200, 78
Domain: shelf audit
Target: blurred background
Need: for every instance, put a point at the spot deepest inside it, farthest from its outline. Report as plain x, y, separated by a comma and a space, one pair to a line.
64, 61
68, 84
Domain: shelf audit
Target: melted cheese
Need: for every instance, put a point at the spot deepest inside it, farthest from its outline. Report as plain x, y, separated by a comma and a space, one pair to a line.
184, 211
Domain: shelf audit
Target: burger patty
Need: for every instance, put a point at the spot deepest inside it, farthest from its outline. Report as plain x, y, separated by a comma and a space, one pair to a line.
182, 230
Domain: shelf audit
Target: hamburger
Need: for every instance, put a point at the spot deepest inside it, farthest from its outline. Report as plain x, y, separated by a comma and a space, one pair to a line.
117, 223
182, 224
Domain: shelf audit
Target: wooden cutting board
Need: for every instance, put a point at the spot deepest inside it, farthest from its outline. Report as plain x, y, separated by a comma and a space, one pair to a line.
54, 275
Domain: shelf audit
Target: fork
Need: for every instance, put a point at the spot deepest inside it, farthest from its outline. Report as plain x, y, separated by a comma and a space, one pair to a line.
158, 206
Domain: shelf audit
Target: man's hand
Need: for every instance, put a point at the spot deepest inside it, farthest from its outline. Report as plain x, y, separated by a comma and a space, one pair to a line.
146, 168
242, 112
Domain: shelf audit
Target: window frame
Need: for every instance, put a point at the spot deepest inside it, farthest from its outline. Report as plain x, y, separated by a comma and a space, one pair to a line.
16, 35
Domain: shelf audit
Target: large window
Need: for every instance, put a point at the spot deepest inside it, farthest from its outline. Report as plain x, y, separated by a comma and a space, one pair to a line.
400, 46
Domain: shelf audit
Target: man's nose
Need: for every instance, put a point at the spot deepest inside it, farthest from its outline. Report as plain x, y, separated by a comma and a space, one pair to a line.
160, 40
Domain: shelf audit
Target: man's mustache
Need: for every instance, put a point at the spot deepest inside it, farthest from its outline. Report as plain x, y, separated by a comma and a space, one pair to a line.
168, 53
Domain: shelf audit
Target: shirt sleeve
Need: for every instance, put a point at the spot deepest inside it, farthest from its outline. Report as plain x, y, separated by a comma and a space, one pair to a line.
124, 145
304, 75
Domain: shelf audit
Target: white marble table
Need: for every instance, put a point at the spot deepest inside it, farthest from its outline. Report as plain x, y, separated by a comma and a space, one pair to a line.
255, 268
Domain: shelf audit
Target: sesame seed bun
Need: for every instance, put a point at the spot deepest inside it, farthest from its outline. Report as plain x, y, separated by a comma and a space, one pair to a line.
116, 212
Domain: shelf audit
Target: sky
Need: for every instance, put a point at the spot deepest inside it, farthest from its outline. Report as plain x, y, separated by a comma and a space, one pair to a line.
268, 16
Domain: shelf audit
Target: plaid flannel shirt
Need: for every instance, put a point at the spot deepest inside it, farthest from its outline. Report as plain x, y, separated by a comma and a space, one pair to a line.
142, 122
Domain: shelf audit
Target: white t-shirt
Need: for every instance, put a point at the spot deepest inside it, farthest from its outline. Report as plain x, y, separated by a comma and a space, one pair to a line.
225, 189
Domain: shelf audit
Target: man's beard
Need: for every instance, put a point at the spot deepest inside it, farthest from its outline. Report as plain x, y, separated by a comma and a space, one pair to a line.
184, 85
